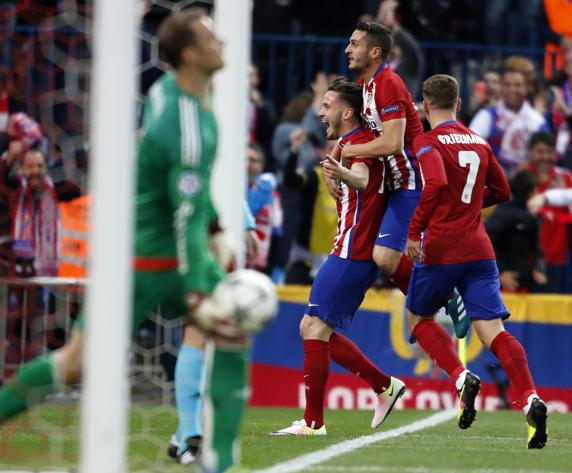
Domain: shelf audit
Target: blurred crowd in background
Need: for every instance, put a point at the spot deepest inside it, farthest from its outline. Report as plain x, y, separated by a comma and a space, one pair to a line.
513, 57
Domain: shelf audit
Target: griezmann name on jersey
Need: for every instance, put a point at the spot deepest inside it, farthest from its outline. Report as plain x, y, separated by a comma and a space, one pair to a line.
360, 212
385, 97
460, 175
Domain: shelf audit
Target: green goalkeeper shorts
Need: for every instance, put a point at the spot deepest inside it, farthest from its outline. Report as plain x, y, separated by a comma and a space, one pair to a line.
152, 289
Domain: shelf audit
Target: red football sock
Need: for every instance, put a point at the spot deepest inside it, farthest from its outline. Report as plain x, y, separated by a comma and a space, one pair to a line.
345, 353
403, 273
316, 372
512, 356
437, 343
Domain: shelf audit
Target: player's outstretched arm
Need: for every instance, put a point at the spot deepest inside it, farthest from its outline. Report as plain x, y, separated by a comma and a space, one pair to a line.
357, 177
389, 144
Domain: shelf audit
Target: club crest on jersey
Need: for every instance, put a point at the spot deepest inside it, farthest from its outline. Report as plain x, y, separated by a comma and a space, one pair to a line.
189, 184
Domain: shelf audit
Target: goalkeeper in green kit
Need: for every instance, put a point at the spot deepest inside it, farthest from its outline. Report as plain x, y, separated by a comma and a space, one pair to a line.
175, 220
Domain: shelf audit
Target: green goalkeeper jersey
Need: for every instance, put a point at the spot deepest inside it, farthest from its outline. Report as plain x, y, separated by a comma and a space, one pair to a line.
173, 202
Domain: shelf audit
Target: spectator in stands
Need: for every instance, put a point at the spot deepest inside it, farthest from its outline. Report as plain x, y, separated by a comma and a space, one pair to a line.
318, 215
406, 59
301, 113
262, 119
514, 233
509, 124
563, 113
528, 69
265, 205
554, 238
486, 92
35, 212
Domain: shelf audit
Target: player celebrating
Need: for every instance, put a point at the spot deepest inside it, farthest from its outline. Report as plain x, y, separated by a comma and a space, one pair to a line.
341, 283
173, 213
390, 113
461, 176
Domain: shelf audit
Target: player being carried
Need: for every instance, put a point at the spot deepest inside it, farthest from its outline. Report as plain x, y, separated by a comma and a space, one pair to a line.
392, 116
449, 245
174, 217
341, 283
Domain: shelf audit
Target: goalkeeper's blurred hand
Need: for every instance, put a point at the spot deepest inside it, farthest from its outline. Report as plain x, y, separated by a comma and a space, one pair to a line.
222, 250
214, 316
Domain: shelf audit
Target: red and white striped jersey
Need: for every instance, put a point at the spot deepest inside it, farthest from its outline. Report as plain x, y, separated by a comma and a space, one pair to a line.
385, 98
360, 212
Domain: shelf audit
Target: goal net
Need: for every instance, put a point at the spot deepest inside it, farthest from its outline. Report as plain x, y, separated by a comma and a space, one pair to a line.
58, 61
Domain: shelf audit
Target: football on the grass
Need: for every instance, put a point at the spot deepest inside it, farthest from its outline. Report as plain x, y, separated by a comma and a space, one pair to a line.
253, 297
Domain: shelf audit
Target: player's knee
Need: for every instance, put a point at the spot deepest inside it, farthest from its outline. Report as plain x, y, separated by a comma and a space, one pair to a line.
487, 330
314, 328
68, 366
414, 320
387, 259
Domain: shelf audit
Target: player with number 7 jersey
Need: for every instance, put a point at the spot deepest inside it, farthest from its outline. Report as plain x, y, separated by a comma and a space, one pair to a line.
461, 175
453, 155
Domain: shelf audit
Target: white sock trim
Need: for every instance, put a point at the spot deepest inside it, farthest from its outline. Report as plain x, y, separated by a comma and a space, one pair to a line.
531, 398
461, 379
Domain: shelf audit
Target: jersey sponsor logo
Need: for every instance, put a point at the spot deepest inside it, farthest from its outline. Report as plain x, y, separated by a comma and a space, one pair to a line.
423, 150
383, 235
189, 184
391, 108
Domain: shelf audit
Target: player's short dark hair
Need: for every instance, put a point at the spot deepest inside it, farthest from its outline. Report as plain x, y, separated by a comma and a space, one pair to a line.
545, 137
522, 185
176, 33
349, 92
377, 36
441, 91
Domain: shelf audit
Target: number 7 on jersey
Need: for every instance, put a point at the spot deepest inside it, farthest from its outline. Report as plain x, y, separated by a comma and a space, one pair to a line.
472, 159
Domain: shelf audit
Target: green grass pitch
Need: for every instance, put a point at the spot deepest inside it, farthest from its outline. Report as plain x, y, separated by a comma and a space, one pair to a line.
48, 438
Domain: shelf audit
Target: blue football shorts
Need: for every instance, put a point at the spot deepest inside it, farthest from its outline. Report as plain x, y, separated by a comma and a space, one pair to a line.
339, 289
477, 282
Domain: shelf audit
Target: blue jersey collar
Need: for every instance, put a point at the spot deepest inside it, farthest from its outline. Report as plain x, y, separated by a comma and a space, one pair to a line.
381, 68
448, 122
353, 132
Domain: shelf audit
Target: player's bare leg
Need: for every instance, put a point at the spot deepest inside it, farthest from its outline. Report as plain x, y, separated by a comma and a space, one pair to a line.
437, 343
513, 359
388, 260
189, 391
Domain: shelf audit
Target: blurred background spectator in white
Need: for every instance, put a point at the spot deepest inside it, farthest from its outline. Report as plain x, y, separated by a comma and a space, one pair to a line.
265, 205
508, 124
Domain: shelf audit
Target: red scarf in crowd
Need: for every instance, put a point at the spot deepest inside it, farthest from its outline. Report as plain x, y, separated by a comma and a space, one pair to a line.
36, 227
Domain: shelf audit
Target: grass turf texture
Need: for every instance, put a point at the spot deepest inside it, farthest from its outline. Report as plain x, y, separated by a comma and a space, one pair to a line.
48, 438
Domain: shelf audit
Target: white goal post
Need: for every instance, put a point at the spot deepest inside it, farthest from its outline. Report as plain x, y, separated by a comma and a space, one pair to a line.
105, 401
105, 406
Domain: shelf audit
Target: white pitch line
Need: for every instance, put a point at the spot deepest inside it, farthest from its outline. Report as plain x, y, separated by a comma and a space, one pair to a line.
306, 461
